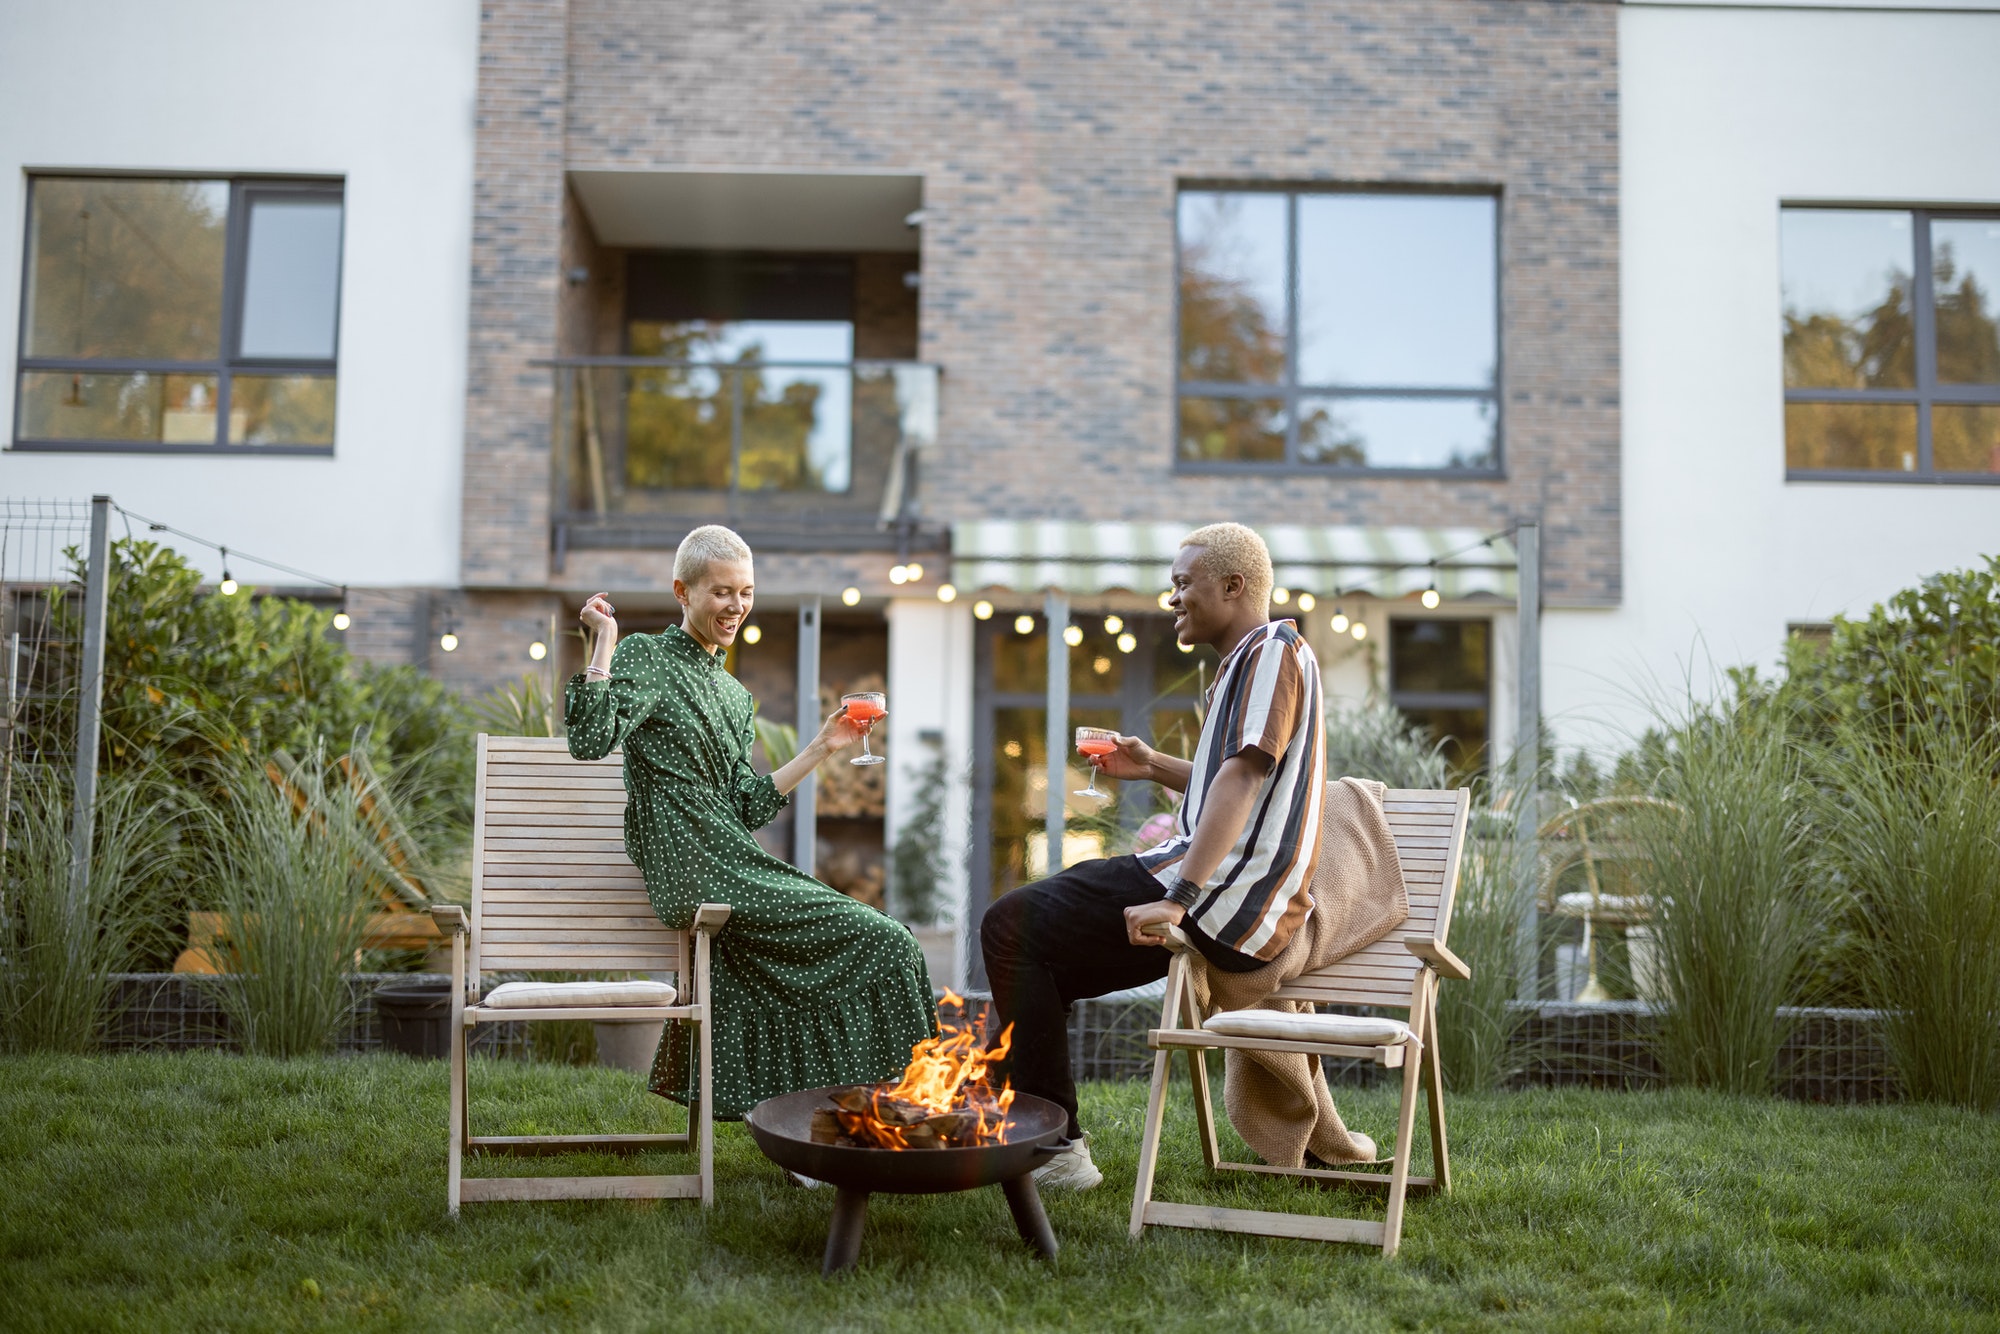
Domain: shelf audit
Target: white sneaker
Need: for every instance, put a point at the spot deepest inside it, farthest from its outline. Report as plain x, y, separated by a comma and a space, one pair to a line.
802, 1181
1071, 1169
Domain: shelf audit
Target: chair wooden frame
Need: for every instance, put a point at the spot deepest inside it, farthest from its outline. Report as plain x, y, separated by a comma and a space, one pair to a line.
1399, 972
552, 890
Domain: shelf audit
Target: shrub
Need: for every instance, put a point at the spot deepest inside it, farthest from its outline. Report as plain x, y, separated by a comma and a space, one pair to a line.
60, 943
1911, 817
291, 875
1736, 913
1374, 740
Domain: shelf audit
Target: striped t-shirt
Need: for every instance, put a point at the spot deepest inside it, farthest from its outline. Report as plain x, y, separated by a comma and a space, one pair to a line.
1266, 697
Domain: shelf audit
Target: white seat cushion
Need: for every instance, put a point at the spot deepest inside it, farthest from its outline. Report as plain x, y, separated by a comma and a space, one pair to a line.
1344, 1029
576, 995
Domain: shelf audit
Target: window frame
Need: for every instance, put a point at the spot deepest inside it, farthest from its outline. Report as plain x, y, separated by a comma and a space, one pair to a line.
228, 361
1291, 391
1926, 393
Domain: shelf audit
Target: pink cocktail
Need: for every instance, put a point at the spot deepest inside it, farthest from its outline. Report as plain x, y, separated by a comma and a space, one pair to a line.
863, 709
1094, 742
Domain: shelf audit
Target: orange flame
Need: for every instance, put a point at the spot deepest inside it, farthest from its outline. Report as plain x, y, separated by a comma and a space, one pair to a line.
946, 1073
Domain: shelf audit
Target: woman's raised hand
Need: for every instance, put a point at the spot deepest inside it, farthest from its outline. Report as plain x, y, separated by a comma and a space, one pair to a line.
841, 731
598, 615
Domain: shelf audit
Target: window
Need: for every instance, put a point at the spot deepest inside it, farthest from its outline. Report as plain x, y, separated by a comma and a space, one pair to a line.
1440, 677
1887, 377
1338, 331
179, 315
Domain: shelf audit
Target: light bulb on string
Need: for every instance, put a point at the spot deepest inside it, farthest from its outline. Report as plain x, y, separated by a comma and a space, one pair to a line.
341, 620
1185, 648
538, 650
1127, 642
1072, 635
1360, 630
1165, 599
1281, 595
851, 596
448, 642
1024, 625
1307, 602
899, 575
1340, 621
752, 633
1430, 599
946, 593
913, 573
982, 610
228, 585
1113, 624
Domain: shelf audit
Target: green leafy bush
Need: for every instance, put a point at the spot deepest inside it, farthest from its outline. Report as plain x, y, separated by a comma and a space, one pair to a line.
1374, 740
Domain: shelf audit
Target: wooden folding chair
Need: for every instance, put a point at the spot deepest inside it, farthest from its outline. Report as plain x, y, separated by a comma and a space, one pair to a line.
1399, 972
552, 890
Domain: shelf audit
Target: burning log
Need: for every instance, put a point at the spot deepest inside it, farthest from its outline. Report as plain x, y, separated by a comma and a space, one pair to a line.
944, 1099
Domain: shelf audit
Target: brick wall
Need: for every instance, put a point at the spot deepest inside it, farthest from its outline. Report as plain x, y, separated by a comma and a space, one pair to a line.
1051, 138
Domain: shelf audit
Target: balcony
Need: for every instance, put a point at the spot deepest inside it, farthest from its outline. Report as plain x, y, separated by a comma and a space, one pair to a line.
794, 455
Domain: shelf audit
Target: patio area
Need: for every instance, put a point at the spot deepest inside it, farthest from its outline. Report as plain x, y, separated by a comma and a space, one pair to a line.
212, 1191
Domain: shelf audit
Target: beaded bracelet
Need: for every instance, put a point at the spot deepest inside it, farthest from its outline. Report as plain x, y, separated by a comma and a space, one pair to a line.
596, 674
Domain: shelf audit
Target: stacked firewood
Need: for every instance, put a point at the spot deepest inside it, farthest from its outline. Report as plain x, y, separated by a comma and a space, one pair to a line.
865, 1117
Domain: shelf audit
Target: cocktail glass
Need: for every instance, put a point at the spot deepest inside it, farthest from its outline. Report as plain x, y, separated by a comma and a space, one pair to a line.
1092, 741
864, 708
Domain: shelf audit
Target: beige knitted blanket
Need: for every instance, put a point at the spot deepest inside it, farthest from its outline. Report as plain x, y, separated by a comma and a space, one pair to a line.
1279, 1101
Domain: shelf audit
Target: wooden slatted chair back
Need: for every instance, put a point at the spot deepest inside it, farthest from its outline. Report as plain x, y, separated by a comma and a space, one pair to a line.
1429, 829
552, 888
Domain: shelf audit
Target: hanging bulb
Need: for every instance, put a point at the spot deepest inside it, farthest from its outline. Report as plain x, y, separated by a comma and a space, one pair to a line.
1127, 642
1072, 635
1281, 596
228, 585
341, 620
1164, 598
538, 650
1431, 599
1024, 625
1360, 630
1307, 602
898, 575
946, 593
982, 610
448, 642
1339, 621
913, 573
752, 633
850, 596
1113, 624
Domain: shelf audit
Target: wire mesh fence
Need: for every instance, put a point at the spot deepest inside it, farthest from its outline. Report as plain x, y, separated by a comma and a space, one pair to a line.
41, 549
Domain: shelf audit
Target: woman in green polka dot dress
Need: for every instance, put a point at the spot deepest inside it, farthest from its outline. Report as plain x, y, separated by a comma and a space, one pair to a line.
809, 986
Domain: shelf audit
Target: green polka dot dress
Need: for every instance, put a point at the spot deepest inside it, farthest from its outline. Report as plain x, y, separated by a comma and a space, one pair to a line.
810, 987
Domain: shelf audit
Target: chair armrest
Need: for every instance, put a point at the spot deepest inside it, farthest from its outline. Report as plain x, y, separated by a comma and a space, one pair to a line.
1438, 957
711, 917
1169, 935
450, 918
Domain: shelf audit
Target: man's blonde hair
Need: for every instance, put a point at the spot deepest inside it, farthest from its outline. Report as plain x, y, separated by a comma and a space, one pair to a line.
703, 547
1230, 548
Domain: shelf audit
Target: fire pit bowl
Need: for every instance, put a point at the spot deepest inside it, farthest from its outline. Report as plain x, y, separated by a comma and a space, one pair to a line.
782, 1127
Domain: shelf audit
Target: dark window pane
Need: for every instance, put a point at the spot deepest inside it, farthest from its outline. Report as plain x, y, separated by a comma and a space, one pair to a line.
1877, 437
281, 409
1178, 672
1215, 430
1965, 439
157, 409
1096, 667
1464, 733
1020, 662
1176, 732
1439, 656
1019, 766
120, 268
291, 278
1848, 320
1965, 267
1397, 432
1232, 274
1397, 290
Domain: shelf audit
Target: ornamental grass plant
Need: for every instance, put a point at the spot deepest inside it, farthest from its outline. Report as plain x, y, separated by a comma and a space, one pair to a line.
62, 941
1477, 1022
291, 875
1911, 817
1737, 914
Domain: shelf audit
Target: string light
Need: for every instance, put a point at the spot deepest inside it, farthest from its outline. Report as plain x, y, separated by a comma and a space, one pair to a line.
228, 586
899, 575
1127, 642
1113, 624
448, 642
1100, 665
913, 572
752, 633
850, 596
341, 620
1360, 630
1072, 635
1430, 598
1307, 602
1339, 621
1165, 600
1281, 596
946, 593
538, 650
1024, 625
982, 610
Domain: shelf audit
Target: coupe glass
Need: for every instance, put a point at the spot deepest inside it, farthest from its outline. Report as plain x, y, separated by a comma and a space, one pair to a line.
865, 707
1092, 741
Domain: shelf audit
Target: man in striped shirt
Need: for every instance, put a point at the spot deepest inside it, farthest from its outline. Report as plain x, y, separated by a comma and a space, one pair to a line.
1235, 874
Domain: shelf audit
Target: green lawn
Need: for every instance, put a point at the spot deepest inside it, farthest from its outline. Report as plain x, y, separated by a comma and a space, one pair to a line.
218, 1192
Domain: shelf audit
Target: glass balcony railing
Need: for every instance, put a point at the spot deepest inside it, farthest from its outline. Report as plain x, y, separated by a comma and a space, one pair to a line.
811, 455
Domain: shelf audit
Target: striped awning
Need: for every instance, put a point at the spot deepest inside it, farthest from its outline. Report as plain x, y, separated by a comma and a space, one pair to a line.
1082, 558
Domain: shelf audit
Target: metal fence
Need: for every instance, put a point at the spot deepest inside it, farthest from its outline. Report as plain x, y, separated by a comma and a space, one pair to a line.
42, 545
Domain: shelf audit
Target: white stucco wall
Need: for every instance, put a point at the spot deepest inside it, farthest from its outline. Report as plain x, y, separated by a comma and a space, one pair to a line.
1726, 112
379, 92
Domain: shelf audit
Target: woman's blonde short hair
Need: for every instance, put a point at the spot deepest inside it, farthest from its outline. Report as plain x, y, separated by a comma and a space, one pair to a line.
704, 547
1230, 548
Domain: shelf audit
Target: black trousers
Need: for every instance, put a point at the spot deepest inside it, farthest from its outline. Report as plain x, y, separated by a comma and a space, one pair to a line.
1061, 940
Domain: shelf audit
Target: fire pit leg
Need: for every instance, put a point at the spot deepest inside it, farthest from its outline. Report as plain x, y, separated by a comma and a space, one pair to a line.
1026, 1204
843, 1235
